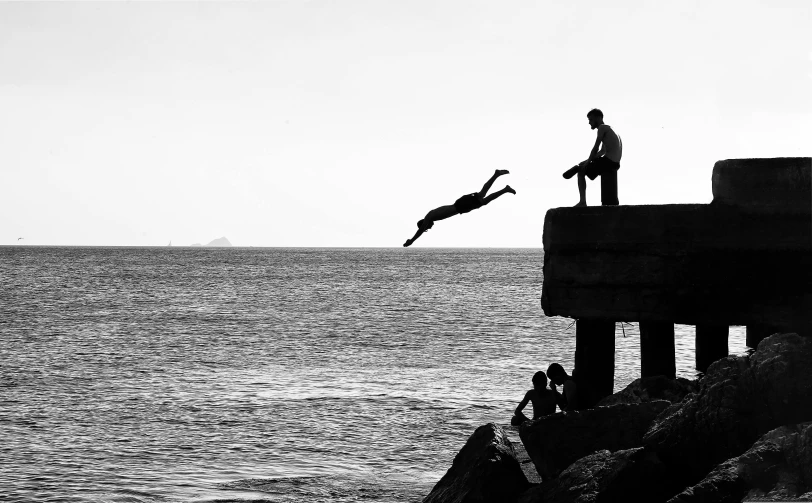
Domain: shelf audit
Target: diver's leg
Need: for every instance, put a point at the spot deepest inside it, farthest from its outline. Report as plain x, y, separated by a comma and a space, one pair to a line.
487, 186
493, 196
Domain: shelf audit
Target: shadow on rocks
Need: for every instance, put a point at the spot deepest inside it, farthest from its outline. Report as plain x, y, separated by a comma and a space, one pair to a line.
649, 389
739, 400
777, 467
554, 442
627, 475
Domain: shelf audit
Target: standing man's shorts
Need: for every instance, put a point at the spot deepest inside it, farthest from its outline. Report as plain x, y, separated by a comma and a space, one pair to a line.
467, 203
607, 170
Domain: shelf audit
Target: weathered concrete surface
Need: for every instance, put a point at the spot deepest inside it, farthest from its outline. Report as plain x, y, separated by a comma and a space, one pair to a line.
687, 264
739, 400
485, 470
554, 442
778, 185
604, 476
777, 467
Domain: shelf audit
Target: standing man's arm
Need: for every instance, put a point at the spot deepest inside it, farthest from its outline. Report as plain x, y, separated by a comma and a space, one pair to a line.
595, 153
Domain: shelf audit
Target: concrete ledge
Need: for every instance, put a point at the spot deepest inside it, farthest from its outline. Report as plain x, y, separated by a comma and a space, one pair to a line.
671, 228
686, 264
781, 184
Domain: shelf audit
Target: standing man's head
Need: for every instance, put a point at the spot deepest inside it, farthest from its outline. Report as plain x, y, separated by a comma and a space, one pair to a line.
595, 117
539, 380
556, 373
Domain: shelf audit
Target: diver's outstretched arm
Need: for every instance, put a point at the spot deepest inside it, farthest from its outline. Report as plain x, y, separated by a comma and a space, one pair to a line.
440, 213
416, 235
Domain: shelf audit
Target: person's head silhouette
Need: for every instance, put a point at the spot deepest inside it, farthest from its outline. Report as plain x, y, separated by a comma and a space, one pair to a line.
424, 224
539, 380
595, 117
556, 373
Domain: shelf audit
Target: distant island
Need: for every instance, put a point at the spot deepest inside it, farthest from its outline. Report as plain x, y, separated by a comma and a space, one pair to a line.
217, 243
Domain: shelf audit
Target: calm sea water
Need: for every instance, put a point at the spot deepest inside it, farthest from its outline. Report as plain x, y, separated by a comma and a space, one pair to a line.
284, 375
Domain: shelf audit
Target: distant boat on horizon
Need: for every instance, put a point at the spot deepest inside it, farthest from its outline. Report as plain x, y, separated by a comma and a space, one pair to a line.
170, 243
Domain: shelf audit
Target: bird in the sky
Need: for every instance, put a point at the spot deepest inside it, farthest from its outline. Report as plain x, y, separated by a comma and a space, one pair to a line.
19, 239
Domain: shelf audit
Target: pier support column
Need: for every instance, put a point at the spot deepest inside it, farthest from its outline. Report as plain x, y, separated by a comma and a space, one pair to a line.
594, 360
657, 353
757, 333
711, 345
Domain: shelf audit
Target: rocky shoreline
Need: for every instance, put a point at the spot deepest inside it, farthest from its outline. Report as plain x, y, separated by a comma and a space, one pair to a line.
741, 432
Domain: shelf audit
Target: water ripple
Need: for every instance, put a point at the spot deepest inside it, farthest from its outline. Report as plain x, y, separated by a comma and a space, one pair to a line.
147, 375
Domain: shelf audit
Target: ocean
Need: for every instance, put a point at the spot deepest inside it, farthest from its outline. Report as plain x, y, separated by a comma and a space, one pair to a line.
267, 374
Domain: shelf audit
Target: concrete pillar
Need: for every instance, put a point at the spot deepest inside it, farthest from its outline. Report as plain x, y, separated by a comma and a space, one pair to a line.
657, 353
594, 360
756, 333
711, 345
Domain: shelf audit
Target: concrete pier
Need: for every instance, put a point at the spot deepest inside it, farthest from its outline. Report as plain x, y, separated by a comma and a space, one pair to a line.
594, 360
711, 344
657, 352
744, 259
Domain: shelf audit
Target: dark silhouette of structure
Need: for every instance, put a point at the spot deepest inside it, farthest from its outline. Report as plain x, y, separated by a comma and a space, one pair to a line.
543, 400
462, 205
604, 162
744, 259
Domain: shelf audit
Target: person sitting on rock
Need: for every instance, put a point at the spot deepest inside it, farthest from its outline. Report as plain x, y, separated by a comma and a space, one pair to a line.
604, 162
462, 205
568, 400
543, 400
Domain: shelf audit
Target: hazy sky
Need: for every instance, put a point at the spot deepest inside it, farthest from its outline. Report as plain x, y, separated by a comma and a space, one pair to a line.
341, 123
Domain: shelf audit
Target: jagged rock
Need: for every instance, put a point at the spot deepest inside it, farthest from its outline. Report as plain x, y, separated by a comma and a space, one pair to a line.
484, 471
647, 389
556, 441
777, 467
740, 399
627, 475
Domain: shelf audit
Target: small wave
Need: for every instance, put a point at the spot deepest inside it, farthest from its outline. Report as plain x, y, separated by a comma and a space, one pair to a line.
318, 489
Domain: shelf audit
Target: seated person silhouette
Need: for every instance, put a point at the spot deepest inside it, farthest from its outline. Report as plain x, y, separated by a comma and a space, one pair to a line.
462, 205
604, 162
568, 400
544, 400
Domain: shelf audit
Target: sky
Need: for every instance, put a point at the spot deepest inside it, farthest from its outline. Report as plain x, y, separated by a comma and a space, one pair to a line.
341, 123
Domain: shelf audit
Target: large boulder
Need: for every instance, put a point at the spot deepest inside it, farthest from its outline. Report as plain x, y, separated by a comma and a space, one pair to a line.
777, 467
484, 471
554, 442
627, 475
647, 389
740, 399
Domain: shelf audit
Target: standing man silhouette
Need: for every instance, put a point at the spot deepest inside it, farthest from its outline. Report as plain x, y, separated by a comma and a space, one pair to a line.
604, 162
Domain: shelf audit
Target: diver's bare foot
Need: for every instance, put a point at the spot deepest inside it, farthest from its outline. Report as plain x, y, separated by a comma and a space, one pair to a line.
580, 204
571, 172
508, 188
500, 172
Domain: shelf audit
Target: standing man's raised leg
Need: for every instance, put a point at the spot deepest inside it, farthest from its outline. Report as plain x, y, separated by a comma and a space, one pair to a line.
487, 186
